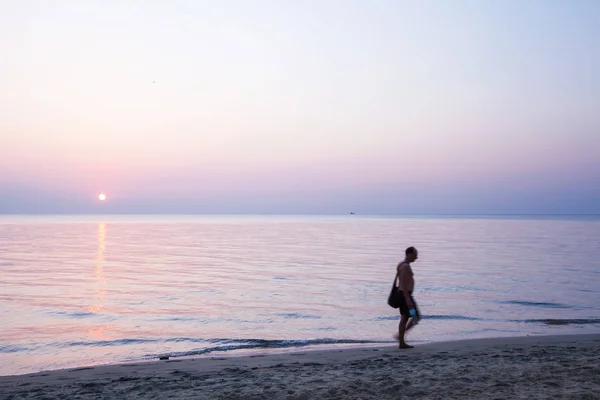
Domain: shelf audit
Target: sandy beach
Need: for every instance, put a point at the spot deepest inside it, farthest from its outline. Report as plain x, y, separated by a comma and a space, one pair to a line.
537, 367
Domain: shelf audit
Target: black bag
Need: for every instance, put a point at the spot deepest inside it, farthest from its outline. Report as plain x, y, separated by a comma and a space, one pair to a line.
394, 298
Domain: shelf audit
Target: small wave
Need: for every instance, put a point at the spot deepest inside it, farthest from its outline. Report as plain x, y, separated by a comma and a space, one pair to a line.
453, 317
181, 319
454, 289
206, 291
12, 348
535, 304
74, 314
123, 342
200, 345
575, 321
440, 317
206, 320
260, 344
297, 316
15, 348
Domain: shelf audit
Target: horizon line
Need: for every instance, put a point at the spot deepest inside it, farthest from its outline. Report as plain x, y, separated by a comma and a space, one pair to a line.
310, 214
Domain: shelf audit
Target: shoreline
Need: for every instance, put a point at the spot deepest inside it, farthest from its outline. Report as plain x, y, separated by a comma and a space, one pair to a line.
562, 366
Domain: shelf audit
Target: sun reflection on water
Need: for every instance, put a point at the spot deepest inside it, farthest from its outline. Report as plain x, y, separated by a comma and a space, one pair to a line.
100, 284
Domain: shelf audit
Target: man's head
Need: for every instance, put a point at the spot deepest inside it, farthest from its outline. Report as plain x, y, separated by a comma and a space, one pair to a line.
411, 254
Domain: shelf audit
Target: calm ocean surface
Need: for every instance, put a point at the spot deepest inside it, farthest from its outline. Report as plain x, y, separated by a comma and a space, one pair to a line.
85, 290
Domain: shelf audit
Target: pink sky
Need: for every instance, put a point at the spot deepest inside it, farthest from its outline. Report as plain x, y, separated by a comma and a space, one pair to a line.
285, 102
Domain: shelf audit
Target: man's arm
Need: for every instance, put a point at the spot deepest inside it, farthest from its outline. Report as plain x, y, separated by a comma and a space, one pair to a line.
405, 274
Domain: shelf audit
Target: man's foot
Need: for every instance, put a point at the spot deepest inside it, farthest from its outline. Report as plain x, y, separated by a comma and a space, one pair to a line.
405, 346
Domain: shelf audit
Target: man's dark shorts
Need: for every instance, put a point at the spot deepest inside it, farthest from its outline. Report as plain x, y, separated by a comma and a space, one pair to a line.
404, 310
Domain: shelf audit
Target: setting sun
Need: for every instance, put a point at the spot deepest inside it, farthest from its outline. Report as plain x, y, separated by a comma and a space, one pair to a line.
102, 197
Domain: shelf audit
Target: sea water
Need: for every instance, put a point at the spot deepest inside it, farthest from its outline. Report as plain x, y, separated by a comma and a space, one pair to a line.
87, 290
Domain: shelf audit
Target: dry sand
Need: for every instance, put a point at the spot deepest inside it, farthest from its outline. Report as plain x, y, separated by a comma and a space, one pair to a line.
538, 367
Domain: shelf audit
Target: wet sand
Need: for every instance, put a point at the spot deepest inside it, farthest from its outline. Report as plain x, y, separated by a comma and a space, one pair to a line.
536, 367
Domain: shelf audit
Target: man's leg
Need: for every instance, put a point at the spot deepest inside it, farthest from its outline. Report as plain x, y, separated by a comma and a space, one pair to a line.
414, 320
411, 324
401, 329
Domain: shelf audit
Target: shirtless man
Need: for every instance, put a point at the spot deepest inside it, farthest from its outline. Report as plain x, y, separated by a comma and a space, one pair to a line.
408, 306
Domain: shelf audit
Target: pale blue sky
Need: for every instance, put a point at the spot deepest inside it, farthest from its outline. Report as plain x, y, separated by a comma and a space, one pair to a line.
300, 106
